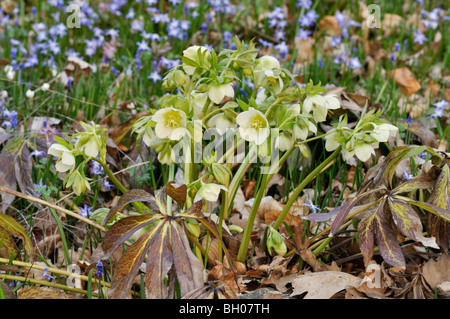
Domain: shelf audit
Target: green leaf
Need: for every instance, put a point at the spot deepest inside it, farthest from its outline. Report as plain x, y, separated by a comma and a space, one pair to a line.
244, 106
437, 226
10, 225
438, 211
161, 262
188, 268
195, 212
7, 244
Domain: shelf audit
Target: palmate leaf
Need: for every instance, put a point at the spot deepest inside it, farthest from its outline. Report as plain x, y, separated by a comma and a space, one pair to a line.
134, 195
165, 246
347, 207
376, 227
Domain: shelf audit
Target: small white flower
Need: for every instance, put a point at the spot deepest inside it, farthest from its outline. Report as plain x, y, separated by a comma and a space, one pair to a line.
170, 123
10, 73
29, 94
253, 126
66, 159
192, 53
210, 192
45, 87
217, 92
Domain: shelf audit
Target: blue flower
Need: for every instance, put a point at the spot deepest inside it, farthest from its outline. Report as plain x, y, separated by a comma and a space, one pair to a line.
100, 269
419, 37
409, 120
303, 34
313, 207
305, 4
45, 275
85, 210
283, 48
407, 176
155, 76
36, 153
106, 184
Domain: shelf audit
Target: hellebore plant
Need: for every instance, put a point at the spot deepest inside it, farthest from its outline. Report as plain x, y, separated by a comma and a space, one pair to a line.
202, 126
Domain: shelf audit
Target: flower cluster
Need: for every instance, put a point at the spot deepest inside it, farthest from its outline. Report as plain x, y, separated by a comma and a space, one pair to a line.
363, 140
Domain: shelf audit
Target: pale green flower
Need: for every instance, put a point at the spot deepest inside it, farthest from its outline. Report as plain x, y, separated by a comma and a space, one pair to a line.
275, 241
320, 105
78, 182
66, 159
167, 155
89, 140
192, 53
197, 101
217, 92
267, 73
148, 136
285, 141
209, 192
253, 126
382, 132
170, 123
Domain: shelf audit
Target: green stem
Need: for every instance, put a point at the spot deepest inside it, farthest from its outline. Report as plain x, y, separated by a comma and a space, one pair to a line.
243, 248
237, 178
303, 184
62, 233
260, 194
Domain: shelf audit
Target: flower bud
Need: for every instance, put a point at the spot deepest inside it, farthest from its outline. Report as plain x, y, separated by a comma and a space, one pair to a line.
221, 173
275, 241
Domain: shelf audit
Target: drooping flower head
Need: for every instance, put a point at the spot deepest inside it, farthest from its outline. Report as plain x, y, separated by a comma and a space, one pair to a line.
66, 159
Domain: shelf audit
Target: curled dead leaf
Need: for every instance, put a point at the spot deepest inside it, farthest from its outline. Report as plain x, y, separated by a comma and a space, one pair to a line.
406, 80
